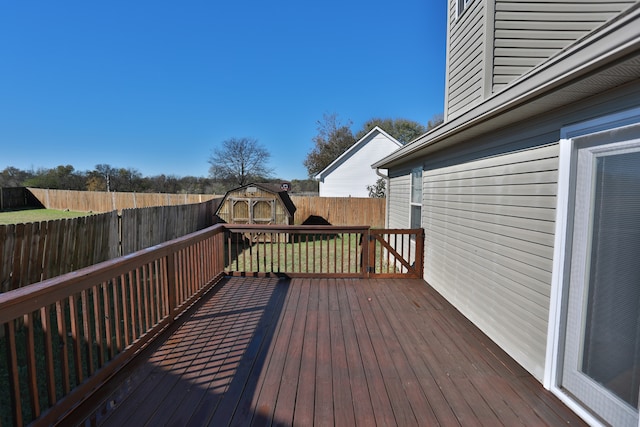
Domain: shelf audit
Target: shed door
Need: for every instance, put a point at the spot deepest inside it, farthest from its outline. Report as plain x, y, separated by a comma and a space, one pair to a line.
602, 347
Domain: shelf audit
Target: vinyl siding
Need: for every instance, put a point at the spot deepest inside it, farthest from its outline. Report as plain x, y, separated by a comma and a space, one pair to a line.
465, 50
489, 228
526, 33
399, 195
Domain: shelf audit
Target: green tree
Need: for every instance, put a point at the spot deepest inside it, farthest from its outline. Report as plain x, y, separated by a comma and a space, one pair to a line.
435, 121
403, 130
378, 190
63, 177
13, 177
333, 139
240, 160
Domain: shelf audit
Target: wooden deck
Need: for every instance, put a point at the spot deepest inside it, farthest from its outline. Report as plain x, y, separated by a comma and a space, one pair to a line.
345, 352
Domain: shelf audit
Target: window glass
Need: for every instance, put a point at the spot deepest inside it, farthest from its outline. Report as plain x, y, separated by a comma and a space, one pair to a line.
416, 198
416, 185
462, 5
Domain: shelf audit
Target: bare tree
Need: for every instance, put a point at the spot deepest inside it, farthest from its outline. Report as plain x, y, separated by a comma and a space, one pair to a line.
240, 160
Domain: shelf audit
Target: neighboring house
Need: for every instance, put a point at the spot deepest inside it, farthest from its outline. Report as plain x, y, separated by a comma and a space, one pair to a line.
529, 193
351, 173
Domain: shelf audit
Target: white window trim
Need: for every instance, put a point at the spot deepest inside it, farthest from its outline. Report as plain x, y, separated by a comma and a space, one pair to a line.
461, 6
565, 195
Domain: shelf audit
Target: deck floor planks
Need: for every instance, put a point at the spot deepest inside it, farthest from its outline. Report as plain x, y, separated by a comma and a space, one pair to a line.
323, 410
304, 405
342, 393
400, 402
269, 382
362, 408
329, 352
393, 330
382, 408
285, 404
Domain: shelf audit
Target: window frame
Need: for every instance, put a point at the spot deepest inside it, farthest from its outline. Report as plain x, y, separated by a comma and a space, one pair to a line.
461, 6
415, 198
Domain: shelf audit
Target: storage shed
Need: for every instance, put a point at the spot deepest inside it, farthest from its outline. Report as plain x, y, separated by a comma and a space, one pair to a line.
257, 204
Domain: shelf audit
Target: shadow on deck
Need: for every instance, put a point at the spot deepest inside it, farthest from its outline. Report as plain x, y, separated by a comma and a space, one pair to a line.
263, 351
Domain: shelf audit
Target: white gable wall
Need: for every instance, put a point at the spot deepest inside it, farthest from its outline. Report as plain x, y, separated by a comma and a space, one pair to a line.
351, 176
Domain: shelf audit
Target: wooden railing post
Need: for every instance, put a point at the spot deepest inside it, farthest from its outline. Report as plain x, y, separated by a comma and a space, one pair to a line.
364, 255
419, 263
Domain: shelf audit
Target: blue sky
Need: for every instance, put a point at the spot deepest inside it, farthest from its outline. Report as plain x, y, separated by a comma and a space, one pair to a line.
156, 85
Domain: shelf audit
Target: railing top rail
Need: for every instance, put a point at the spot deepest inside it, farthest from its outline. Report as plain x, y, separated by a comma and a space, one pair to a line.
30, 298
297, 228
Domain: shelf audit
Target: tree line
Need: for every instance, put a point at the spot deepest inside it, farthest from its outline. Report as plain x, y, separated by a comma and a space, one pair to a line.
110, 178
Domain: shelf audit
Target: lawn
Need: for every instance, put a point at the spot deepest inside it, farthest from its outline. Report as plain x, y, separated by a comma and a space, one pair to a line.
36, 215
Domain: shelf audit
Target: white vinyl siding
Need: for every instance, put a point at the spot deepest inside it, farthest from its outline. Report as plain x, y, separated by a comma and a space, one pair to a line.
529, 32
465, 52
398, 195
489, 228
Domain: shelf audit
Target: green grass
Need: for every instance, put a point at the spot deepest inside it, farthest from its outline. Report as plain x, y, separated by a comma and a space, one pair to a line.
36, 215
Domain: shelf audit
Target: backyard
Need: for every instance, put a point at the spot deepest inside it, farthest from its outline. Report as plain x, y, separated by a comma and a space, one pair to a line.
20, 216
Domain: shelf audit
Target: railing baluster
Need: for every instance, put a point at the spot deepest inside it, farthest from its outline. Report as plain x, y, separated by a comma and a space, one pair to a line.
87, 333
139, 306
32, 373
45, 320
125, 312
108, 319
133, 328
14, 379
75, 337
145, 297
98, 319
64, 351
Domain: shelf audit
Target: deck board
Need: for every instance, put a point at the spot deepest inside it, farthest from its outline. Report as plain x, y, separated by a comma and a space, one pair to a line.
345, 352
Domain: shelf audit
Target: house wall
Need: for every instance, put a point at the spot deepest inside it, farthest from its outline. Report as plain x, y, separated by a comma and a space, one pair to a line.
489, 219
493, 42
351, 177
398, 196
528, 32
465, 58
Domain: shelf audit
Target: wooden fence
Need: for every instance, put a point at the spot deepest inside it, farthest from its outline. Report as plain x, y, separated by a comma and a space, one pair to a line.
33, 252
145, 227
17, 198
342, 211
102, 201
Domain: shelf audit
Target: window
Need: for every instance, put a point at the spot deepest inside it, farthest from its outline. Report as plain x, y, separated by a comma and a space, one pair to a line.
461, 6
416, 198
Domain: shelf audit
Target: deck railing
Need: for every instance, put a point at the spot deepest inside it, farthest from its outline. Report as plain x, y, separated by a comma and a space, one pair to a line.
314, 251
62, 338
